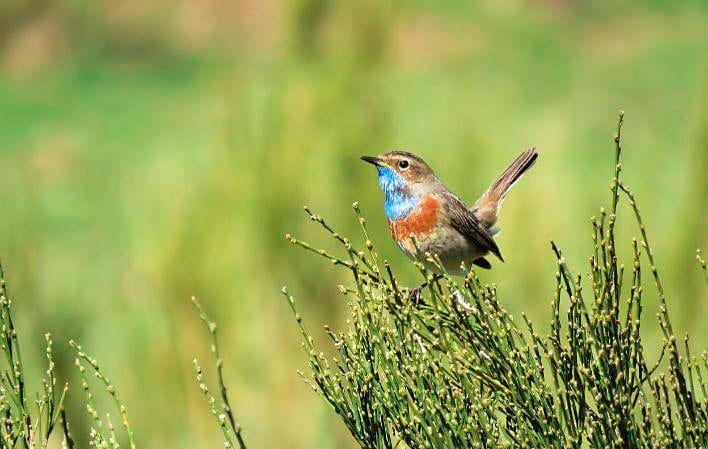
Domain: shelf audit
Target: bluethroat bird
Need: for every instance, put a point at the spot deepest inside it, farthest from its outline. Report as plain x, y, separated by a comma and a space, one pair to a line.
425, 217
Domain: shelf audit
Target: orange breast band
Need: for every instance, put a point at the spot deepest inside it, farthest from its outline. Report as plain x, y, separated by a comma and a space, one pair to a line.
421, 220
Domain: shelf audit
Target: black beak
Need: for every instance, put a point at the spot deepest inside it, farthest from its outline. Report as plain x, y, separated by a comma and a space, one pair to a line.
371, 160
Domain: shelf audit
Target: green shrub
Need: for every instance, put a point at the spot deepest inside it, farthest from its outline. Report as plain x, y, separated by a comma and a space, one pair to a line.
451, 368
29, 424
448, 368
29, 420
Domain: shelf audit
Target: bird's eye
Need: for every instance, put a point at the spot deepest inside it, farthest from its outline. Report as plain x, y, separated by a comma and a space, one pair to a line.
403, 164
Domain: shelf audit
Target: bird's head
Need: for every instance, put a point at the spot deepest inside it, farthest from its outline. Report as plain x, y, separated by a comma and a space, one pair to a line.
405, 179
400, 168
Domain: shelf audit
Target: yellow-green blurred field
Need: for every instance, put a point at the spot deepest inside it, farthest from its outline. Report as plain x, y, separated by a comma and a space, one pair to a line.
151, 150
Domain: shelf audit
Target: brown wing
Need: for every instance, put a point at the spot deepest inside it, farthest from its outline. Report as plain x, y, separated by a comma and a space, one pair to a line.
464, 221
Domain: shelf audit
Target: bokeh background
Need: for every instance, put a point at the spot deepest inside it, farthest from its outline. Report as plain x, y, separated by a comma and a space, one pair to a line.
153, 149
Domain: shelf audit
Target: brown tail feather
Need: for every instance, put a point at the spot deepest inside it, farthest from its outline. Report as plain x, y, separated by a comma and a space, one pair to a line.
486, 209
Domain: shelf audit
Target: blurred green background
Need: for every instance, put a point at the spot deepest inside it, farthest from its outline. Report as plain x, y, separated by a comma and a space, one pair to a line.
153, 149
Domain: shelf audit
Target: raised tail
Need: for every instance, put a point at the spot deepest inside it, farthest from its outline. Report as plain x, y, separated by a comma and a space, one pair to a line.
486, 209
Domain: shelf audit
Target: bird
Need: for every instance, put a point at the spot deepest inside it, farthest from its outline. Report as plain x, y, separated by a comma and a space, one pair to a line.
426, 218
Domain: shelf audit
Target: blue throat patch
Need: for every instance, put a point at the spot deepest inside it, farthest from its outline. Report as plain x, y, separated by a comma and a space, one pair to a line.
399, 202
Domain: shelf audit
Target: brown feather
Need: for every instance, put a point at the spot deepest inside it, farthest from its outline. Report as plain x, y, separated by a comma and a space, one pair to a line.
486, 209
463, 220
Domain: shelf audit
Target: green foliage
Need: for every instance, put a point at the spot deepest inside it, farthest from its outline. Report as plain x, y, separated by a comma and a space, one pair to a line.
223, 413
30, 423
24, 424
98, 437
451, 368
121, 163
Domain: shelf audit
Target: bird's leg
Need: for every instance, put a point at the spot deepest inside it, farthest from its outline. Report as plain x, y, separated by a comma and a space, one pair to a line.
414, 294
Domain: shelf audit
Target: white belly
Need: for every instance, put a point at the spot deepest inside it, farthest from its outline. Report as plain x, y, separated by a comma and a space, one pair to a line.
449, 245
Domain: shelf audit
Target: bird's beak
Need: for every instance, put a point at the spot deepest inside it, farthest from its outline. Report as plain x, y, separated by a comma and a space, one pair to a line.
372, 160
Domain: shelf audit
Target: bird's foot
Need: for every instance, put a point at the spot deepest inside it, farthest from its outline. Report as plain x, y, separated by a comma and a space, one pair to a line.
414, 294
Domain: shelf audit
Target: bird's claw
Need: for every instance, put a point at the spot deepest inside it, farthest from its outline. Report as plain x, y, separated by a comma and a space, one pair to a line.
414, 294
